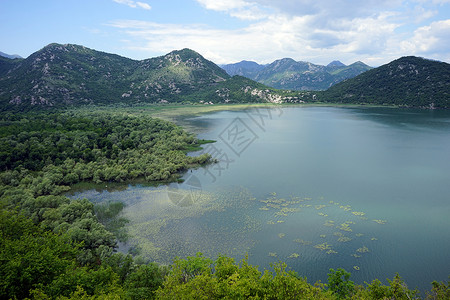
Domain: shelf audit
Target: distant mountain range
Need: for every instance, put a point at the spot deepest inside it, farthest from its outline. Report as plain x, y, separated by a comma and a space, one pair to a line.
13, 56
62, 75
289, 74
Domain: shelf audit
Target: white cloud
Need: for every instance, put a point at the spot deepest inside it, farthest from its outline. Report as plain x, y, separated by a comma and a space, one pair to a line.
223, 5
134, 4
374, 31
143, 5
431, 40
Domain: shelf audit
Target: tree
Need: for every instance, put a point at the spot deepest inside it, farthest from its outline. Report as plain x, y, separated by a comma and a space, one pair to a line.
339, 283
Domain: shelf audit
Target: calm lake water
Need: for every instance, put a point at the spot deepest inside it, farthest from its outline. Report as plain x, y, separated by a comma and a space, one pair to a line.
365, 189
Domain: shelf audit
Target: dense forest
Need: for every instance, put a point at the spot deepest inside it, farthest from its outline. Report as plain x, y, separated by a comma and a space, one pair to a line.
52, 247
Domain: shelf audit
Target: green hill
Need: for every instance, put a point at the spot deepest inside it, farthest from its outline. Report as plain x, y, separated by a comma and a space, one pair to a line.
408, 81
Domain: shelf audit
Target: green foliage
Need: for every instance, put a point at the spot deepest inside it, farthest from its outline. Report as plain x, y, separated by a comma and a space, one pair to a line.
144, 281
397, 289
200, 278
339, 283
439, 290
30, 257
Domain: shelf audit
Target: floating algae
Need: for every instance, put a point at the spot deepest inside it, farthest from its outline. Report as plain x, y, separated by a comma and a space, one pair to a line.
346, 207
344, 227
324, 246
356, 268
281, 235
280, 221
344, 239
338, 233
374, 239
320, 206
382, 222
270, 222
272, 254
281, 214
356, 255
323, 236
331, 252
363, 249
322, 214
294, 255
289, 210
359, 234
329, 223
277, 206
358, 213
300, 241
264, 208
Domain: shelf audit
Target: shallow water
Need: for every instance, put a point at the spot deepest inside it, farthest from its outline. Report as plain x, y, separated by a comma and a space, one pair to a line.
366, 189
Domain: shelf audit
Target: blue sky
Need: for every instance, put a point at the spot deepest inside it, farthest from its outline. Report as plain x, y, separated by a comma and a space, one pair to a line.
228, 31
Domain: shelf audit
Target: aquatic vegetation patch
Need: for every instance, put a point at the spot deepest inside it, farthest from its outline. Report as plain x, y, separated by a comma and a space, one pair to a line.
358, 213
161, 229
382, 222
300, 241
345, 227
344, 239
329, 223
363, 249
323, 246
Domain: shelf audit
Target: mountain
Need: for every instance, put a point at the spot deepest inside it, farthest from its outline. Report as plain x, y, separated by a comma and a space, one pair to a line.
289, 74
244, 68
14, 56
335, 64
410, 81
59, 75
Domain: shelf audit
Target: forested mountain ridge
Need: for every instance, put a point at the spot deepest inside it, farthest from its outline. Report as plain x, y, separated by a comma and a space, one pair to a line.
289, 74
60, 75
408, 81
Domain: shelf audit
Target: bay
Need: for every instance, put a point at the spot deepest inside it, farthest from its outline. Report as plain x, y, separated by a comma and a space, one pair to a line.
365, 189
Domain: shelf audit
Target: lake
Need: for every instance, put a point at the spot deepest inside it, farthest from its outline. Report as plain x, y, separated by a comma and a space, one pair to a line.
365, 189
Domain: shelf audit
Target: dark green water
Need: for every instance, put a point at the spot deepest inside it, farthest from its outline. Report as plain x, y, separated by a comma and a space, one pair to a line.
366, 189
